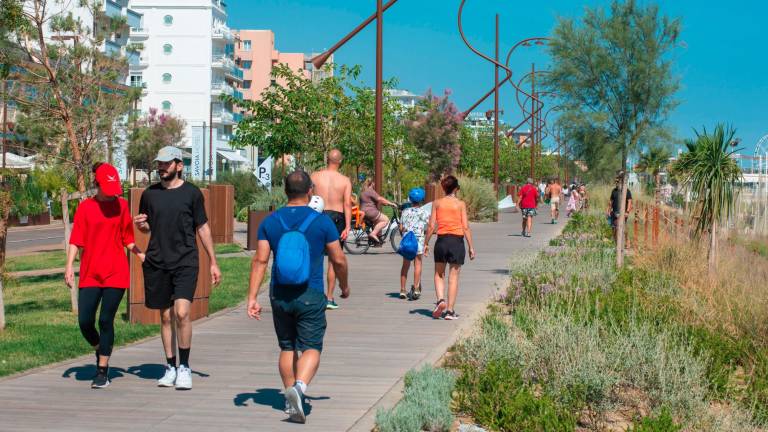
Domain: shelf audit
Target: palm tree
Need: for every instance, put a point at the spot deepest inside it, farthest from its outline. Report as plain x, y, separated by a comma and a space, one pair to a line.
653, 162
711, 172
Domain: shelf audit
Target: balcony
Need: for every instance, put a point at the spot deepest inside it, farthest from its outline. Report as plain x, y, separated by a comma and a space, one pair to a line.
222, 116
137, 60
221, 61
113, 49
113, 9
222, 33
234, 73
219, 88
237, 94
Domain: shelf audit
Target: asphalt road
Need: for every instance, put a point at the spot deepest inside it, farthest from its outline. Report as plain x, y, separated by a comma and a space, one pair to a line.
28, 240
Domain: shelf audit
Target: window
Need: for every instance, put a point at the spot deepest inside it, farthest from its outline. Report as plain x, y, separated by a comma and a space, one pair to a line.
247, 84
166, 78
246, 64
167, 20
246, 45
273, 82
167, 49
166, 106
135, 80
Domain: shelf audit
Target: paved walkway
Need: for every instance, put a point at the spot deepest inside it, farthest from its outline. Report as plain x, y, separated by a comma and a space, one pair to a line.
372, 341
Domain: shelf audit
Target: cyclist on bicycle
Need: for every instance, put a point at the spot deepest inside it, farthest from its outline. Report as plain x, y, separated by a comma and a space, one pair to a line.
369, 204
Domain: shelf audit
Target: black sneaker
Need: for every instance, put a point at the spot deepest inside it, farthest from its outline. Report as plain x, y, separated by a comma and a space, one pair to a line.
415, 293
450, 315
101, 380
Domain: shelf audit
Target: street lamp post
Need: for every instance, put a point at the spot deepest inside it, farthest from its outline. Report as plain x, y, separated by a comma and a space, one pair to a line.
496, 113
319, 61
378, 174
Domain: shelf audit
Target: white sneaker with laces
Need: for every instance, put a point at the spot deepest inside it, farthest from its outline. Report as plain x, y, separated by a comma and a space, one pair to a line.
184, 378
169, 378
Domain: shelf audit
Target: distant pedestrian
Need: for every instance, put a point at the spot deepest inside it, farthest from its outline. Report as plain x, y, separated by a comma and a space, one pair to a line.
101, 232
173, 211
414, 219
553, 193
297, 237
449, 220
542, 187
336, 190
614, 204
526, 202
574, 201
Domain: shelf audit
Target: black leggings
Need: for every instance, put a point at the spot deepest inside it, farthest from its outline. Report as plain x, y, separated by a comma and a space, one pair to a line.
87, 303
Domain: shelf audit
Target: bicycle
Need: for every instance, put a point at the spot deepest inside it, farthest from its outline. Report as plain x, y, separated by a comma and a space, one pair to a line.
358, 242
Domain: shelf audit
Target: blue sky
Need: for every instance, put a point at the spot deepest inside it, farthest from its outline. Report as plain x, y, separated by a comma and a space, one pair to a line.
722, 63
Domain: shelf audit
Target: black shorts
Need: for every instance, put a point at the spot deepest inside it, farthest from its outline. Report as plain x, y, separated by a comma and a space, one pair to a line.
339, 221
299, 318
450, 249
162, 287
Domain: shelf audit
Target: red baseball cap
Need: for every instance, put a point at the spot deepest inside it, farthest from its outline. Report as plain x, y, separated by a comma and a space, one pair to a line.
109, 180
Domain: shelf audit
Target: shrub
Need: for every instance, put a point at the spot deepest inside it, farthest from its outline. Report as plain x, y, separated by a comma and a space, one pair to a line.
480, 198
425, 405
497, 397
660, 423
246, 185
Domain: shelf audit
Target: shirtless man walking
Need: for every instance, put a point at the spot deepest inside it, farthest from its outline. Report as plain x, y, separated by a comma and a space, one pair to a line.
336, 191
554, 190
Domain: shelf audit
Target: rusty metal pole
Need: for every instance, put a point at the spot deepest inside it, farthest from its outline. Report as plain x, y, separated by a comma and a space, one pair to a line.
533, 118
378, 163
496, 113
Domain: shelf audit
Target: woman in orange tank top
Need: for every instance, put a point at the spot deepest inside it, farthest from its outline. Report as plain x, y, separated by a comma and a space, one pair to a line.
449, 221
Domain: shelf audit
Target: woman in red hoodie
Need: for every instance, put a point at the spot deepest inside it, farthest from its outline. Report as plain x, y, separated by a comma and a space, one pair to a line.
103, 228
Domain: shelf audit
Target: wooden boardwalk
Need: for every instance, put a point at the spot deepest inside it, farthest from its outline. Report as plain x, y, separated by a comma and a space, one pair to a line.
372, 341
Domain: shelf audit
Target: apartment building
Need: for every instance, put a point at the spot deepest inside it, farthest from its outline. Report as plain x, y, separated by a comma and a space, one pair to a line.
256, 54
185, 62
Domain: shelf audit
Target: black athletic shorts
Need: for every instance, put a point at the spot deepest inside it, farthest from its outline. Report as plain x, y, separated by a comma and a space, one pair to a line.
162, 287
339, 221
450, 249
299, 318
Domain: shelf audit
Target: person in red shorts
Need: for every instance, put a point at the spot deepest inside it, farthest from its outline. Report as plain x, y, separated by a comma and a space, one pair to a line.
103, 228
526, 202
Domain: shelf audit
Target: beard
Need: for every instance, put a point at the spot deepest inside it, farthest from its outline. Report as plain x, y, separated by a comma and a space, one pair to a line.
167, 175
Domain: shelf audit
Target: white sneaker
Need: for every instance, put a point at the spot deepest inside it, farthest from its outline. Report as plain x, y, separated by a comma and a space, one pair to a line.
184, 378
169, 378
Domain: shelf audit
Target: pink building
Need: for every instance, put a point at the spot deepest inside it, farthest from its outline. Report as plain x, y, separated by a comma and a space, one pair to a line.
256, 54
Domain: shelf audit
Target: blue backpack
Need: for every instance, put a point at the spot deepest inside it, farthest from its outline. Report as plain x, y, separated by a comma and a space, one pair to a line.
292, 260
409, 246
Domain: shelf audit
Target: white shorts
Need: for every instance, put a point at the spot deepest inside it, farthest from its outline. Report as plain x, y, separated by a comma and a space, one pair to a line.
554, 202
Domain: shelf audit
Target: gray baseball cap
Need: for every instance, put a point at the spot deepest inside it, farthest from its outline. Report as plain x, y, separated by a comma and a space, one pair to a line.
169, 153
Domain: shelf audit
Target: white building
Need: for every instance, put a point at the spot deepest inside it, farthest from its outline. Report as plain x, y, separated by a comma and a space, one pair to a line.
185, 63
405, 99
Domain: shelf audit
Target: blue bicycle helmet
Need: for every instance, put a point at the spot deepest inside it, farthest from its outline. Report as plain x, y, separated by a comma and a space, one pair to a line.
416, 195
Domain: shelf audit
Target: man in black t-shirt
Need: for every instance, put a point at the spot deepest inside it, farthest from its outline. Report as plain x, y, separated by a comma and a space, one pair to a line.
173, 212
613, 205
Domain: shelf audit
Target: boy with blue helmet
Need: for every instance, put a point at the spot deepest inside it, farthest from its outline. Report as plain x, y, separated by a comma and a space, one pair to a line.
414, 219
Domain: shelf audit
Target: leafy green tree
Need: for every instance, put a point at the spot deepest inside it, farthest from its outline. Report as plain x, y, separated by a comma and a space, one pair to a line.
710, 171
151, 133
612, 70
60, 77
434, 128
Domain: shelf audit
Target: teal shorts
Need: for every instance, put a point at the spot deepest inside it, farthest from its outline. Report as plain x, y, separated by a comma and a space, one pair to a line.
299, 318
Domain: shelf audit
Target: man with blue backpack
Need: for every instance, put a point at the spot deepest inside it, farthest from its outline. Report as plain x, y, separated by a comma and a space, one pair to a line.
414, 221
297, 236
